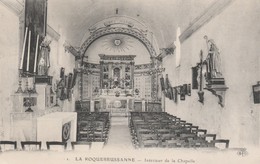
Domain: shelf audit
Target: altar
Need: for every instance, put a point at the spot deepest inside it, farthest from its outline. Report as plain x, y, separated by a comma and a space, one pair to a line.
57, 126
117, 106
116, 84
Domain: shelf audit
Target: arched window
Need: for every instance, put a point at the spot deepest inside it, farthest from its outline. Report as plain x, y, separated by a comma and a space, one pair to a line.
178, 47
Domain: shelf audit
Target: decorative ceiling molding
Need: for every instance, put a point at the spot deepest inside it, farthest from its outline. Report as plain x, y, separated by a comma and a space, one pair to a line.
166, 51
14, 6
215, 9
69, 48
119, 20
117, 30
54, 34
117, 43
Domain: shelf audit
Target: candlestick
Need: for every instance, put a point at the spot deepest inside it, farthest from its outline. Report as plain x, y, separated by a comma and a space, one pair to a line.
19, 90
28, 55
34, 89
36, 54
26, 90
24, 42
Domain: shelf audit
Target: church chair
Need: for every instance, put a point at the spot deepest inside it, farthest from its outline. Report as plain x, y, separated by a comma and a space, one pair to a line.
188, 137
56, 145
141, 126
165, 121
197, 143
99, 132
151, 121
144, 131
137, 122
174, 127
163, 131
199, 131
150, 143
165, 137
81, 146
159, 125
171, 117
176, 143
99, 136
8, 145
85, 132
31, 145
176, 119
144, 126
193, 128
220, 143
187, 124
148, 137
208, 137
178, 132
190, 128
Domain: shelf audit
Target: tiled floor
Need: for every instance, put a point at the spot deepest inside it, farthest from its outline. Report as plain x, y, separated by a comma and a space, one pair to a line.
119, 135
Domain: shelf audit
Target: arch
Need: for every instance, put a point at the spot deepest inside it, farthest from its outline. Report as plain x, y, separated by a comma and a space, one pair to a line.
117, 30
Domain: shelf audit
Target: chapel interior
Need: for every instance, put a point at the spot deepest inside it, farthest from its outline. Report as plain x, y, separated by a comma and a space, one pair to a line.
131, 74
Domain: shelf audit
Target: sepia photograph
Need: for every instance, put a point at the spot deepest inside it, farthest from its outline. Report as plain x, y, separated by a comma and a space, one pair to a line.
129, 81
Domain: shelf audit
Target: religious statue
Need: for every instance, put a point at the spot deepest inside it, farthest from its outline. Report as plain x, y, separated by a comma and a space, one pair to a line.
44, 58
213, 59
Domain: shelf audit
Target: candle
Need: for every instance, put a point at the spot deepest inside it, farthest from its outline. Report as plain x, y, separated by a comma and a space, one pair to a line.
36, 54
24, 42
28, 55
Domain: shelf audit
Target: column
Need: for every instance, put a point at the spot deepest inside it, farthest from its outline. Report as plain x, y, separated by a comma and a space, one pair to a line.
101, 74
132, 67
143, 105
92, 104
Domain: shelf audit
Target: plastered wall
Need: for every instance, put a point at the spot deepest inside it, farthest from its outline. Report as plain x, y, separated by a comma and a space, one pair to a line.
236, 32
9, 46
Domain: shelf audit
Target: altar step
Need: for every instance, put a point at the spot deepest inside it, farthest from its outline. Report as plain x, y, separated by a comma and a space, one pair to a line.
118, 114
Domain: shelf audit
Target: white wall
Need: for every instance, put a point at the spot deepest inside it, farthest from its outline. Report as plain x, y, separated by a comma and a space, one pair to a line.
236, 32
60, 58
9, 45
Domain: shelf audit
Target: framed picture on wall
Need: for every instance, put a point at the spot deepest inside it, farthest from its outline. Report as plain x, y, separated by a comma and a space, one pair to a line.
256, 93
189, 90
195, 84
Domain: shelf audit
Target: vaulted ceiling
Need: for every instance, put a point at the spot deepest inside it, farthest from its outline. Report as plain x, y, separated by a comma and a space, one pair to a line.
73, 18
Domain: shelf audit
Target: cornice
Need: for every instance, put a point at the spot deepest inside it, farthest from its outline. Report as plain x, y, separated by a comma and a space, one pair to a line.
54, 34
216, 8
69, 48
15, 6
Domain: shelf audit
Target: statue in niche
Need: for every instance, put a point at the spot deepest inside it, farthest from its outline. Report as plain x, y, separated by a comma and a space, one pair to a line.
44, 58
116, 77
213, 61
